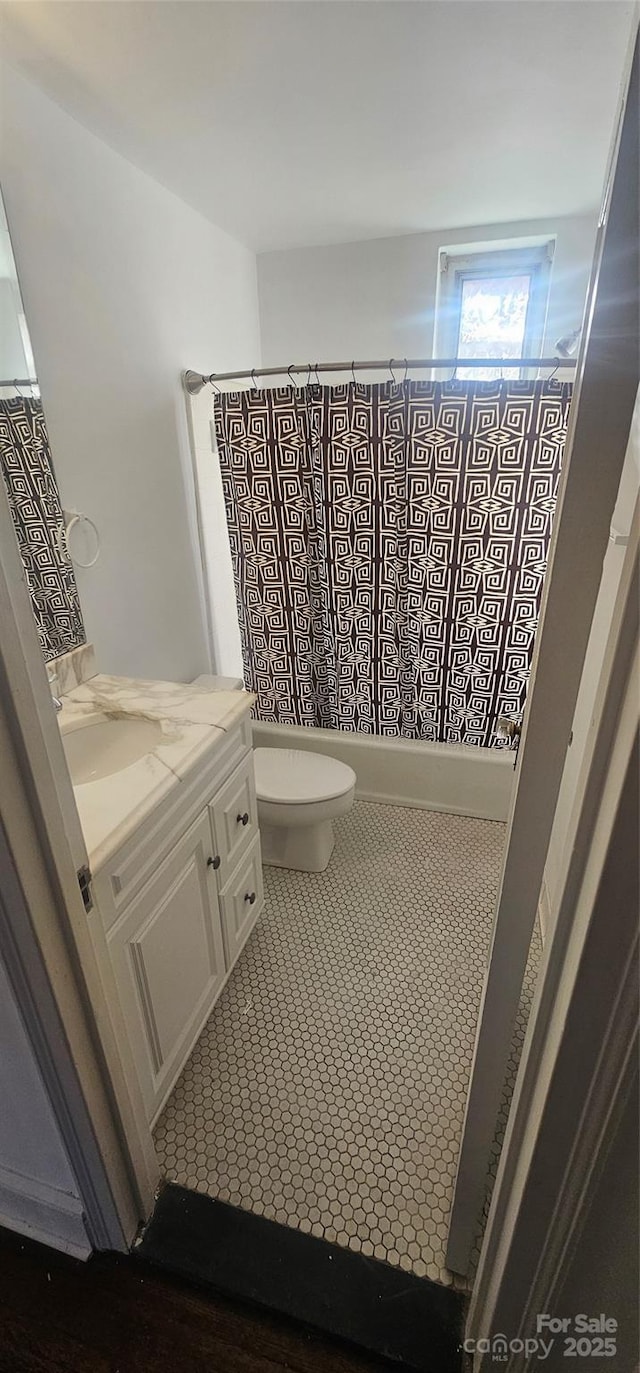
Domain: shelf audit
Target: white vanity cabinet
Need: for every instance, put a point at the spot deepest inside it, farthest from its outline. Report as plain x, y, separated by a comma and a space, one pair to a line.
168, 958
174, 907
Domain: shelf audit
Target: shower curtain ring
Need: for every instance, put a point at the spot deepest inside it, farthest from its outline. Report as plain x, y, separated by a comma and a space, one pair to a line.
291, 379
552, 374
214, 387
254, 379
393, 375
318, 382
406, 371
353, 373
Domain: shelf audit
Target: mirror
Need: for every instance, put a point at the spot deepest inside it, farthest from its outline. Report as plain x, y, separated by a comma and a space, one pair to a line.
28, 473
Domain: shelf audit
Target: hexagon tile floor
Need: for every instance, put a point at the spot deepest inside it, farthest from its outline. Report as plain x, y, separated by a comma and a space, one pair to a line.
327, 1090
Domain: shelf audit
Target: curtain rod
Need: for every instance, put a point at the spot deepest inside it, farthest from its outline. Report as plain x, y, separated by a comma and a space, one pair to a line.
20, 381
194, 381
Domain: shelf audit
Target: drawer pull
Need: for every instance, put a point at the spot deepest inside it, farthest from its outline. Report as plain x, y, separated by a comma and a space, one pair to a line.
250, 897
243, 819
213, 862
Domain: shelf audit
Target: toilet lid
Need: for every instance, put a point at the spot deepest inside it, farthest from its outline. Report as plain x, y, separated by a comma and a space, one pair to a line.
291, 775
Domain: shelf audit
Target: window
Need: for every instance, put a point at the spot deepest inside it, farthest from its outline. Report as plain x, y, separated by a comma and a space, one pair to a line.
492, 305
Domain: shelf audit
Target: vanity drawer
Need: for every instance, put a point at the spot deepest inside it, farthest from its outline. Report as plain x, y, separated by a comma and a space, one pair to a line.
234, 818
241, 902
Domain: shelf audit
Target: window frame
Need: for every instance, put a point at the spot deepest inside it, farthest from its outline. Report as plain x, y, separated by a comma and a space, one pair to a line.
457, 267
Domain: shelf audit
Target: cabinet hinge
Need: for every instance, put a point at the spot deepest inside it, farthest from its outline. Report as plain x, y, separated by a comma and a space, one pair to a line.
84, 883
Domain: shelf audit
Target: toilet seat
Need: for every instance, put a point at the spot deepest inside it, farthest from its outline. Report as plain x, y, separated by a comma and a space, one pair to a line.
291, 776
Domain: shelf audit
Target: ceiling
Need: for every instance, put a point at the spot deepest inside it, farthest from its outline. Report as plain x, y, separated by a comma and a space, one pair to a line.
291, 123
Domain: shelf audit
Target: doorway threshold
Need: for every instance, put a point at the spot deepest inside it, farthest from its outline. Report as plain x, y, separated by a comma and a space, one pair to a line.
411, 1321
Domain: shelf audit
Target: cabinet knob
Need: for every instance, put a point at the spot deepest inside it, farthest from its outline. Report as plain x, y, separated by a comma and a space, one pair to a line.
250, 897
243, 819
213, 862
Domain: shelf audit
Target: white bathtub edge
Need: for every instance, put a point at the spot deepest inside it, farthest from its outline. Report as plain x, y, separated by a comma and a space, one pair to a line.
409, 803
455, 779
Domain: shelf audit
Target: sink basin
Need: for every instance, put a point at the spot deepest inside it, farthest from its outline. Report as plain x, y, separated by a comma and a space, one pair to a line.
98, 746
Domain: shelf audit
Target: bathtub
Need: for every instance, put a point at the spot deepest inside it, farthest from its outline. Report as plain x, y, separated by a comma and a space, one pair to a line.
456, 778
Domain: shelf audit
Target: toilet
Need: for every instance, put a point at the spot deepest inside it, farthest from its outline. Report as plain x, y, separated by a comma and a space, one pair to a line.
300, 794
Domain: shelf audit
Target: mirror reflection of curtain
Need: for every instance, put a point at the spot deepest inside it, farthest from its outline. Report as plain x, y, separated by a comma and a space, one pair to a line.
25, 462
389, 545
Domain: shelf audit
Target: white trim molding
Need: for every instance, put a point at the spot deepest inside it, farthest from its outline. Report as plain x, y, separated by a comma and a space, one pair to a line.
600, 420
44, 938
544, 912
579, 1059
43, 1213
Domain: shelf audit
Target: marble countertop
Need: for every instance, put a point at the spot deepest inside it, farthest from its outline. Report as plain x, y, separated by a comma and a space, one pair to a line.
194, 721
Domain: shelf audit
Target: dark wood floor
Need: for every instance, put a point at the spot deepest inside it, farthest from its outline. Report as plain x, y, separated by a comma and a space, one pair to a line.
114, 1315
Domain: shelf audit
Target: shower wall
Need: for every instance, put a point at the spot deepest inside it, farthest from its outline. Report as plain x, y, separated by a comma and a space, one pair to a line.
377, 298
366, 299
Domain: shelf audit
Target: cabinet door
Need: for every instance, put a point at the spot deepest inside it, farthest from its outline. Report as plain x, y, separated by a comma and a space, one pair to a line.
241, 902
234, 816
168, 955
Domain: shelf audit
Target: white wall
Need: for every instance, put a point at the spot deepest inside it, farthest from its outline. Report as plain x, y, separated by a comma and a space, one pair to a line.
123, 286
377, 299
38, 1192
372, 299
12, 359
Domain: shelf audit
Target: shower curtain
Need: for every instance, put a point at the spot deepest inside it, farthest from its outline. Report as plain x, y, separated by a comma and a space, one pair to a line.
27, 469
389, 544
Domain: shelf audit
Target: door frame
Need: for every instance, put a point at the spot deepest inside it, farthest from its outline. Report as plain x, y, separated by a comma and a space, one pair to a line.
606, 386
45, 940
579, 1061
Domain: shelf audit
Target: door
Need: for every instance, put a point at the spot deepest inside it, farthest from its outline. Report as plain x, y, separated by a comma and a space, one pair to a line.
606, 386
168, 954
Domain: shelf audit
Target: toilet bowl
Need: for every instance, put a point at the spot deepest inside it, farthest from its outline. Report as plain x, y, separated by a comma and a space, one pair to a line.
300, 794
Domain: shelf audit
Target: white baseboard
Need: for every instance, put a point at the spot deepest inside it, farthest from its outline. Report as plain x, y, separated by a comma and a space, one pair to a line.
44, 1213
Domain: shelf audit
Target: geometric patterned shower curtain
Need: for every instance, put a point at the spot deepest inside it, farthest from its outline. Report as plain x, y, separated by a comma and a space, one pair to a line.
34, 501
389, 544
